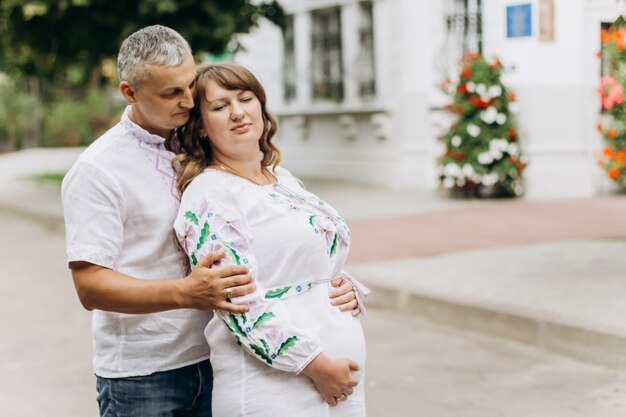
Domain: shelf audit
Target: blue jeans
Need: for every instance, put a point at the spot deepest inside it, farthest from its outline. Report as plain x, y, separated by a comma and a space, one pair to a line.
183, 392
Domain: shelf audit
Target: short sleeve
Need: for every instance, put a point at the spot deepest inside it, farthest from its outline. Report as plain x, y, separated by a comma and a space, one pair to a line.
208, 222
93, 209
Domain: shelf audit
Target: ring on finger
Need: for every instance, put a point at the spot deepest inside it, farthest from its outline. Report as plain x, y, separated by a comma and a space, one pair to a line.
342, 398
229, 292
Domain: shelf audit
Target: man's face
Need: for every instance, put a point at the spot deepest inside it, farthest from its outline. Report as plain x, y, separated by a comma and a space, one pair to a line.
162, 103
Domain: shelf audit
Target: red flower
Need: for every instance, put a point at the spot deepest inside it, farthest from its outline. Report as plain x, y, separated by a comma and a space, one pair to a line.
611, 133
458, 109
511, 95
599, 127
459, 157
604, 36
471, 56
466, 72
511, 133
461, 89
613, 173
478, 102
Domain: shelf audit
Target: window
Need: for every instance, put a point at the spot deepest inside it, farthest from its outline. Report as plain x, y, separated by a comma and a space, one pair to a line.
365, 65
605, 64
289, 63
326, 62
464, 27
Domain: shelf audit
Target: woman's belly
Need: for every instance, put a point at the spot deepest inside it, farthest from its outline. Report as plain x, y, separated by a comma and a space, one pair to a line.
340, 335
245, 386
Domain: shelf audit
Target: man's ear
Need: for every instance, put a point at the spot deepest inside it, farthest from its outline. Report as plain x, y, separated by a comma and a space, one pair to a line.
128, 92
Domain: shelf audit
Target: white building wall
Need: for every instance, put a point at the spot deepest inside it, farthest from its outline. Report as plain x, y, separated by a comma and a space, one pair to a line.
391, 140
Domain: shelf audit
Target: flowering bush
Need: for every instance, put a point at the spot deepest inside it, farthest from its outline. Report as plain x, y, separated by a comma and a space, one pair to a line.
611, 90
481, 146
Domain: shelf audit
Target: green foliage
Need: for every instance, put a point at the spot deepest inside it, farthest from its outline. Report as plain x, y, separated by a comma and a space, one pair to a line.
482, 150
17, 107
64, 40
70, 121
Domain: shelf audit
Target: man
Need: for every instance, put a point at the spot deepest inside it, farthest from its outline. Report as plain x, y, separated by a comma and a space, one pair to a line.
150, 355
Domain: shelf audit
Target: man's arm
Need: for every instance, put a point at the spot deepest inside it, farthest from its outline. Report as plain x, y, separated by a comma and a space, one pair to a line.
204, 288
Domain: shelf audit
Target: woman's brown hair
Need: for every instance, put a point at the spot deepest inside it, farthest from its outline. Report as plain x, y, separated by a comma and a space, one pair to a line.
195, 153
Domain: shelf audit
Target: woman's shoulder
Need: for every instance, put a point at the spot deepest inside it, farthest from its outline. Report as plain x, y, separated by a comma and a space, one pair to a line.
212, 182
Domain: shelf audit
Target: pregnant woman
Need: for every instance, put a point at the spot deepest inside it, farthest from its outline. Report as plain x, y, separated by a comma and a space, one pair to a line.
292, 353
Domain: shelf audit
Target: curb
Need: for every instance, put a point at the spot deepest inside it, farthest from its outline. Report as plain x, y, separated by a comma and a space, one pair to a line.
583, 344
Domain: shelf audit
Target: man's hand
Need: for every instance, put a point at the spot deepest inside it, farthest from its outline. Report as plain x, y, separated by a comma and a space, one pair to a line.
207, 288
332, 376
343, 296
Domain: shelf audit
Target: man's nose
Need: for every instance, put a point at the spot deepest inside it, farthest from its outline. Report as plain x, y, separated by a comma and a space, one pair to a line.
187, 101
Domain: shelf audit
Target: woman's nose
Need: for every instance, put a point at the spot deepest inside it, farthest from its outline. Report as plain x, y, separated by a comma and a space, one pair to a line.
237, 112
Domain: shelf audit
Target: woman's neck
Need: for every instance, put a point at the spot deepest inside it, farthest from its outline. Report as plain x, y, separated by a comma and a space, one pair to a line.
249, 169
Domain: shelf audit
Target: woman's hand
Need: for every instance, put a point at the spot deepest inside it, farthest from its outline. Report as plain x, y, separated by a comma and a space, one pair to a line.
332, 377
343, 296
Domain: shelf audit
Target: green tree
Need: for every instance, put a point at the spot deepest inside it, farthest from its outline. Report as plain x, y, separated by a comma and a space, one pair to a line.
482, 156
68, 40
59, 53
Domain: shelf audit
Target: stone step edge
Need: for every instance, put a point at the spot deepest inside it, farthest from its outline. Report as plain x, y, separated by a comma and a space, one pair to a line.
582, 344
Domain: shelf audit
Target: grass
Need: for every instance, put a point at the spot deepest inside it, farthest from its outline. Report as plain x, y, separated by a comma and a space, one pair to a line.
49, 177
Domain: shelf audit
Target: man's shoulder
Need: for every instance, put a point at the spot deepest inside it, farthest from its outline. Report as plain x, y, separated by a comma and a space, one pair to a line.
102, 155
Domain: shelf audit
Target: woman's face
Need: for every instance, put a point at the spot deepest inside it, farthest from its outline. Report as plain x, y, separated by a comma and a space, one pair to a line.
233, 121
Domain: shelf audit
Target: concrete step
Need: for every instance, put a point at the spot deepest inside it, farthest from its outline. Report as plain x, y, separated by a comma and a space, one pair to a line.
567, 297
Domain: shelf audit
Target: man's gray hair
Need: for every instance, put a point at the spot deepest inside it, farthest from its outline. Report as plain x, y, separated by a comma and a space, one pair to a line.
158, 45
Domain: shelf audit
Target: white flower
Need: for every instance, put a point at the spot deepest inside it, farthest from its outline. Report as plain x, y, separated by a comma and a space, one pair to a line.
489, 115
490, 179
498, 145
473, 130
494, 91
501, 118
496, 155
471, 87
512, 149
456, 141
460, 182
468, 170
481, 89
452, 170
448, 182
485, 158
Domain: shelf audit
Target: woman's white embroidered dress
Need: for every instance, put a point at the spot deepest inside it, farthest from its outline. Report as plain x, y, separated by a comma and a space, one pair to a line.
293, 244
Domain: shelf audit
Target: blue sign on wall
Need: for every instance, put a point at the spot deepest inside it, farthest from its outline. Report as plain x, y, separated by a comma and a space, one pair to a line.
518, 20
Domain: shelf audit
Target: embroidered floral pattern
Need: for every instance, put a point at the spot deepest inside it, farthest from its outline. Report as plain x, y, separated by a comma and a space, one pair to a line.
205, 230
324, 220
290, 290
